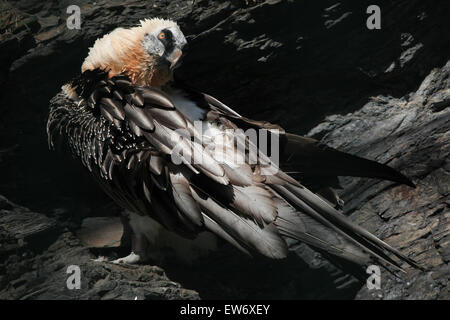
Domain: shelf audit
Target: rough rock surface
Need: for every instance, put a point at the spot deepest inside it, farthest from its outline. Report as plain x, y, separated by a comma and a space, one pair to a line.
312, 67
411, 133
36, 256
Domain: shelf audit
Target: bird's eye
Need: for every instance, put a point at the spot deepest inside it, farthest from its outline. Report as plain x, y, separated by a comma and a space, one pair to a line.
161, 36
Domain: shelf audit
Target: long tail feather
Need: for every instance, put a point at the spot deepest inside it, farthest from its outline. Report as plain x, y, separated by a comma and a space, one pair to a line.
316, 159
309, 203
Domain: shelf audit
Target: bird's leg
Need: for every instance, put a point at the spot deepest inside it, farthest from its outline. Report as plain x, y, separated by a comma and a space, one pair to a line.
139, 246
125, 241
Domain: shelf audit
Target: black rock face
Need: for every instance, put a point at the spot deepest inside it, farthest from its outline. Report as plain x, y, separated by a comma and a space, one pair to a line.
312, 67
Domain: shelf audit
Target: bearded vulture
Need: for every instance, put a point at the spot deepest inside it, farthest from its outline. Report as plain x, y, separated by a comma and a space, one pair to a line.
181, 164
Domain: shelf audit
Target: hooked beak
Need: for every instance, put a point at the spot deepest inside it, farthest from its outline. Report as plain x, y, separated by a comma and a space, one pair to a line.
174, 58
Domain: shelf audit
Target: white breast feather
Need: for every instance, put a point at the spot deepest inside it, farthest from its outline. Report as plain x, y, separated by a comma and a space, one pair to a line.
187, 107
218, 142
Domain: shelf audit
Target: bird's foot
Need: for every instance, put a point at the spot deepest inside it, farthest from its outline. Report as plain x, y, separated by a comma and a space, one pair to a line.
132, 258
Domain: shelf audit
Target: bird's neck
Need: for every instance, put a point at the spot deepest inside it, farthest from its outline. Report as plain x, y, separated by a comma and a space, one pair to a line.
152, 75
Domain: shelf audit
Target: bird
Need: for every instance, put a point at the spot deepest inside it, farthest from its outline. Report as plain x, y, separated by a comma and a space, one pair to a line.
181, 165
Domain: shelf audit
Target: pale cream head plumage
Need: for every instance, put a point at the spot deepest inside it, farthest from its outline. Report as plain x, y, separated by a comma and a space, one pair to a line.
136, 52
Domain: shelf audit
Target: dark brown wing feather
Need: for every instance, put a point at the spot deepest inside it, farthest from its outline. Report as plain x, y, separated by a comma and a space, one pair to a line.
314, 161
307, 158
126, 134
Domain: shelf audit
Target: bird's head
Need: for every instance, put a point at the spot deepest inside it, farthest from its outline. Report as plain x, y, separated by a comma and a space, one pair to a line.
147, 53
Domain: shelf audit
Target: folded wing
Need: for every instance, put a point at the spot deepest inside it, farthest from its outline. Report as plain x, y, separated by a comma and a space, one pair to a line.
143, 151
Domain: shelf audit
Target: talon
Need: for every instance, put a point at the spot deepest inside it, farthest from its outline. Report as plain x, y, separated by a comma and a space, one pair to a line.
132, 258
